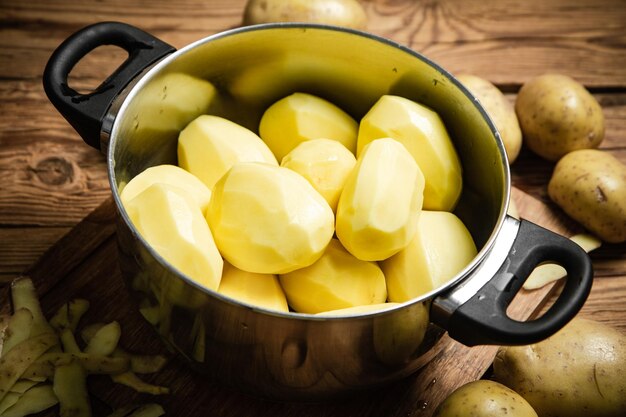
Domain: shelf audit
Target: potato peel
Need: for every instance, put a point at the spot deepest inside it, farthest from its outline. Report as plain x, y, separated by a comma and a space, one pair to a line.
550, 272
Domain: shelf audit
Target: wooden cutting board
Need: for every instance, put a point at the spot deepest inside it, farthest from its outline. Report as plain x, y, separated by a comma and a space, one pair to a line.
84, 264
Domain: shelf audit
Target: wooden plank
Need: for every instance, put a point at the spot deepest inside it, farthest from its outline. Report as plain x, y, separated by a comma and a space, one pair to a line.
509, 41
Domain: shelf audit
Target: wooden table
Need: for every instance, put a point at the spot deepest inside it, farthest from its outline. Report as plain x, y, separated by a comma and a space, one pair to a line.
50, 180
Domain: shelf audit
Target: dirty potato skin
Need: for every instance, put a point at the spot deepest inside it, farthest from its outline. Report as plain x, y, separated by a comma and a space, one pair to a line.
558, 115
348, 13
579, 371
590, 186
484, 398
499, 109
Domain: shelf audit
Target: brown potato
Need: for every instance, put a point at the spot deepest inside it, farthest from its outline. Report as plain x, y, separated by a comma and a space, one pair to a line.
484, 398
579, 371
499, 109
348, 13
558, 115
590, 186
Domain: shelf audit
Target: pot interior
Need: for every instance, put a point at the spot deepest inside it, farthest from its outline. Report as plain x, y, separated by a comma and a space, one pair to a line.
250, 68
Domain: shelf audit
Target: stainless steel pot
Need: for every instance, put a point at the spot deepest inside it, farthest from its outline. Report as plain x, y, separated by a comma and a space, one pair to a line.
134, 117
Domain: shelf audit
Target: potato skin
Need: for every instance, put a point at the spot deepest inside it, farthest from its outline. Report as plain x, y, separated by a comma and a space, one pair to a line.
348, 13
579, 371
484, 398
590, 186
558, 115
499, 109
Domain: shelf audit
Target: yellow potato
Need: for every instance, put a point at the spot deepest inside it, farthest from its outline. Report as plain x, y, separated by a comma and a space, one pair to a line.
172, 223
325, 163
347, 13
484, 398
260, 290
439, 250
301, 117
337, 280
424, 135
362, 309
381, 201
577, 372
210, 145
558, 115
268, 219
499, 109
590, 186
167, 174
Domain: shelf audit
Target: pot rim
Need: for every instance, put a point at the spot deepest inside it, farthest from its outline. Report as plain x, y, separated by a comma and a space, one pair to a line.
113, 115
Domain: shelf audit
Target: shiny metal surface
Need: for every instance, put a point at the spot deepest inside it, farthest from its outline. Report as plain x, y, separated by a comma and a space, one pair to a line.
279, 355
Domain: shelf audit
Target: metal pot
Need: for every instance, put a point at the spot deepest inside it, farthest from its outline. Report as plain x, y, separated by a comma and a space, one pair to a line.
134, 117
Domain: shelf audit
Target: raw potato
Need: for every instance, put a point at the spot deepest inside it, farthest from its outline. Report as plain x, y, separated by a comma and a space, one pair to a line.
423, 133
337, 280
579, 371
379, 207
173, 224
261, 290
558, 115
439, 250
167, 174
590, 186
301, 117
484, 398
210, 145
499, 109
269, 219
347, 13
325, 163
358, 310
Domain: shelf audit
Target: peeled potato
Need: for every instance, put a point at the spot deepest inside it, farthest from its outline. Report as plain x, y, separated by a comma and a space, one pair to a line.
261, 290
499, 109
441, 248
210, 145
168, 174
362, 309
590, 186
325, 163
558, 115
268, 219
577, 372
172, 223
381, 202
484, 398
301, 117
347, 13
424, 135
337, 280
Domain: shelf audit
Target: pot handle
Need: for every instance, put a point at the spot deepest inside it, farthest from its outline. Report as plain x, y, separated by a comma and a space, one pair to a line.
85, 112
480, 318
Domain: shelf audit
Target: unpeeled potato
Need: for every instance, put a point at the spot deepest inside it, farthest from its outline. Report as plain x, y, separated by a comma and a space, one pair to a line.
499, 109
484, 398
577, 372
590, 186
347, 13
558, 115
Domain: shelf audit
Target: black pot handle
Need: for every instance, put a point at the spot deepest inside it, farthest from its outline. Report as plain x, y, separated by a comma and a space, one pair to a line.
482, 319
85, 112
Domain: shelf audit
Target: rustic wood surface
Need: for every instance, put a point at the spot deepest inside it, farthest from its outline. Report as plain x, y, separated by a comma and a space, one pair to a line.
51, 180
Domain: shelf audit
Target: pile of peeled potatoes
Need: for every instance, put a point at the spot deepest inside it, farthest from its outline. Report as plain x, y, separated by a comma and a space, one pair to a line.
315, 214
